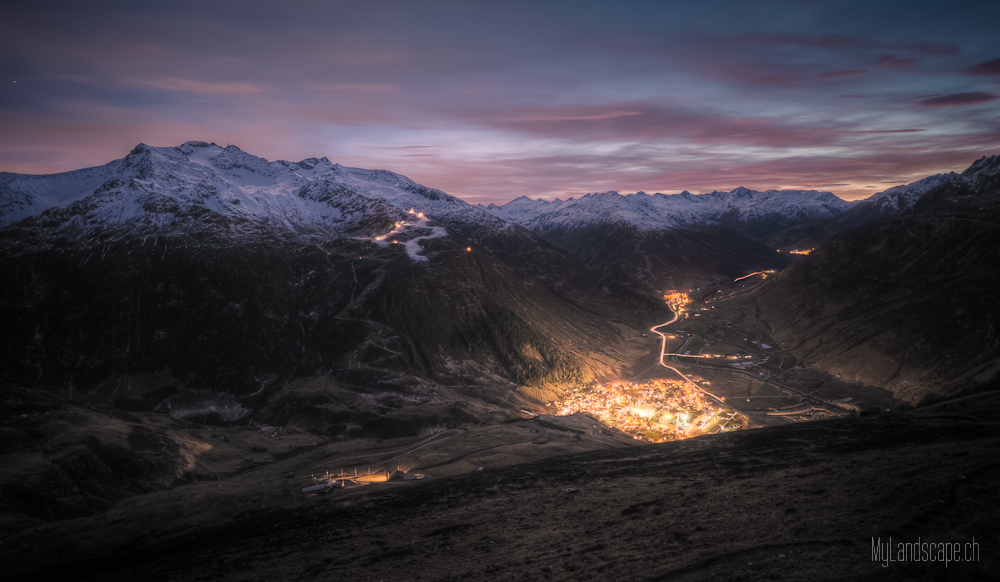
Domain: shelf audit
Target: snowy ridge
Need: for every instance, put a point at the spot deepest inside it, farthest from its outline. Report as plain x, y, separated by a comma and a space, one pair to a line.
982, 170
666, 211
24, 195
201, 187
906, 195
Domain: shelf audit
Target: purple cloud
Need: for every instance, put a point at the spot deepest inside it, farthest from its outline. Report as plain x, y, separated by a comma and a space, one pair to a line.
958, 99
892, 61
844, 42
986, 69
887, 131
639, 121
193, 86
838, 74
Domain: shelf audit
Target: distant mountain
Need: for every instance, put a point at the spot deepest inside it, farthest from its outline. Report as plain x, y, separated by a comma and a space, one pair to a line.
657, 242
750, 212
207, 275
906, 302
201, 188
880, 205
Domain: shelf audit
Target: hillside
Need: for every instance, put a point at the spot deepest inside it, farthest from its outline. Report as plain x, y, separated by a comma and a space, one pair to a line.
805, 501
905, 303
208, 275
880, 205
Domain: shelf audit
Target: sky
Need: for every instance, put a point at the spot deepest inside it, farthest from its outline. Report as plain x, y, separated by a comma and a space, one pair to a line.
494, 100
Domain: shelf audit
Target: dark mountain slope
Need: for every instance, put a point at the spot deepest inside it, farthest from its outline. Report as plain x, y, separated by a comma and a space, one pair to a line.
884, 204
210, 276
907, 303
659, 260
240, 318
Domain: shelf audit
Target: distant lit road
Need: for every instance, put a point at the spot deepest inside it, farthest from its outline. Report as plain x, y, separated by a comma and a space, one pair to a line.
787, 389
663, 352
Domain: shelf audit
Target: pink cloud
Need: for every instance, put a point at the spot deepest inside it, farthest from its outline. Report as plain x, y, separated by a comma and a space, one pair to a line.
642, 121
842, 42
887, 131
192, 86
873, 166
958, 99
635, 121
584, 114
838, 74
984, 69
892, 61
353, 87
850, 178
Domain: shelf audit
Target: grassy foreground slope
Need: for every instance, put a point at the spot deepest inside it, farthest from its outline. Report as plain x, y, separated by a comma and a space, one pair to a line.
793, 502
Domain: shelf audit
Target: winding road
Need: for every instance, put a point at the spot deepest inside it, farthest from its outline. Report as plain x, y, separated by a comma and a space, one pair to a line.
786, 390
663, 353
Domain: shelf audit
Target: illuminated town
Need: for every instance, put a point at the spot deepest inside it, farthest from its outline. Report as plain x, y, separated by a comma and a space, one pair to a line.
676, 300
656, 411
798, 252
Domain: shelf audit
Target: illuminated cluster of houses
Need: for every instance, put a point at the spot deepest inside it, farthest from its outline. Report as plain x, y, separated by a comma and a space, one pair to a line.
676, 300
657, 410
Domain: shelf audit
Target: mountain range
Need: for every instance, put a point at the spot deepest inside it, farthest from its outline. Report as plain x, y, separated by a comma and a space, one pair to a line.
747, 210
206, 268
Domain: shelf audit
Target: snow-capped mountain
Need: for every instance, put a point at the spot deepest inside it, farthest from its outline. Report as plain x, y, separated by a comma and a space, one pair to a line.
906, 195
983, 175
740, 208
880, 205
199, 187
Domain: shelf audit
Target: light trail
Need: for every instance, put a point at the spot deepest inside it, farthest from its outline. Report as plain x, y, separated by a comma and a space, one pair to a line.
663, 348
750, 275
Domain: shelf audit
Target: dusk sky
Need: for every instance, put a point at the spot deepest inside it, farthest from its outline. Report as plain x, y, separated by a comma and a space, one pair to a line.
494, 100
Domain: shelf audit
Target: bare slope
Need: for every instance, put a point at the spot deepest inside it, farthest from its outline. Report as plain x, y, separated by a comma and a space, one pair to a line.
907, 303
789, 503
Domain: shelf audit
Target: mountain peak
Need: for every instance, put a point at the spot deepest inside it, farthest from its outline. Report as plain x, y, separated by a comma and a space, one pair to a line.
984, 165
225, 191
